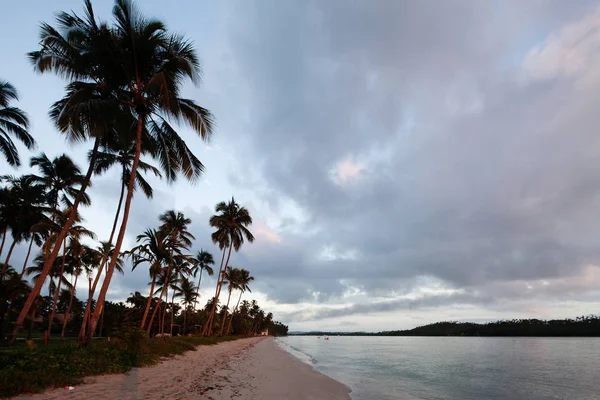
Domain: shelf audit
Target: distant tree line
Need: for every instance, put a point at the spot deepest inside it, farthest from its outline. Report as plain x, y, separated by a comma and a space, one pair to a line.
580, 326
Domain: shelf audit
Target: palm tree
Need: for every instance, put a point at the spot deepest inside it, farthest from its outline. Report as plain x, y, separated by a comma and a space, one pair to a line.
61, 179
104, 161
243, 279
76, 233
231, 277
156, 251
21, 208
78, 252
187, 291
202, 262
151, 65
231, 222
13, 121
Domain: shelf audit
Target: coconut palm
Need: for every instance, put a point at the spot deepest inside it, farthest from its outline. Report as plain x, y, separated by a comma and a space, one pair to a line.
202, 262
243, 279
123, 157
231, 222
155, 250
61, 179
152, 64
187, 292
21, 208
13, 122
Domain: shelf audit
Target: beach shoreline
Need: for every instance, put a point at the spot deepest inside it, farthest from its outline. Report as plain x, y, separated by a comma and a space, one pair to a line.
252, 368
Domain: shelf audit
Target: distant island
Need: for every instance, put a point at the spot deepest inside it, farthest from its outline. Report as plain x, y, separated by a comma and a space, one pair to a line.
580, 326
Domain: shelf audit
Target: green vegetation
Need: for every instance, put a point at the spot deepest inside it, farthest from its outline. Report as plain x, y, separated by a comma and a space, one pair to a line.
24, 370
580, 326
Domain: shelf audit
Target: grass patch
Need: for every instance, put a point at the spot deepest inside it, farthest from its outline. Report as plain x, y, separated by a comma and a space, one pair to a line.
24, 370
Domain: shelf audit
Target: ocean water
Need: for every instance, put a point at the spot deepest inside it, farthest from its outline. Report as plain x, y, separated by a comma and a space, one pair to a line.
461, 368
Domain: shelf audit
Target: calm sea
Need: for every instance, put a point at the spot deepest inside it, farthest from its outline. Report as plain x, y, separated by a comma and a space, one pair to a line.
474, 368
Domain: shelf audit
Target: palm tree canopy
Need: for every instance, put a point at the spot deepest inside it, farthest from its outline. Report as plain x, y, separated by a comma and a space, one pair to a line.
203, 262
176, 224
231, 222
60, 177
13, 122
121, 74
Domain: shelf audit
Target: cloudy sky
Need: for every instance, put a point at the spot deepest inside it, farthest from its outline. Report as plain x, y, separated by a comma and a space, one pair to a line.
404, 161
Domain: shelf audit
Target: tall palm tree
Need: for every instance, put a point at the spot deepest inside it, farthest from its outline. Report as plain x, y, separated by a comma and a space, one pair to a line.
156, 251
21, 209
202, 262
176, 225
106, 159
187, 292
243, 280
76, 233
129, 71
152, 64
13, 121
77, 251
231, 222
231, 277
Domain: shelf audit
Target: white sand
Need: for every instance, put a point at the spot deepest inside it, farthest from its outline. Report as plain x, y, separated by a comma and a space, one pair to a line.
252, 368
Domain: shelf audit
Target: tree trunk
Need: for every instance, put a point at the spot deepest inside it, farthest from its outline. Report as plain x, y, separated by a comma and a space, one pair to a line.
149, 302
113, 260
101, 323
26, 258
62, 335
172, 311
156, 309
10, 250
164, 313
56, 294
87, 312
184, 319
35, 291
198, 289
3, 240
208, 326
234, 310
225, 316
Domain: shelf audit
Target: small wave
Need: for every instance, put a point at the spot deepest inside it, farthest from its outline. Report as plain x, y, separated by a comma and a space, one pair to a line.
296, 352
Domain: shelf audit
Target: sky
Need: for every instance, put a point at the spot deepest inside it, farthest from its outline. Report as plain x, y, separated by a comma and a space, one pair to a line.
404, 162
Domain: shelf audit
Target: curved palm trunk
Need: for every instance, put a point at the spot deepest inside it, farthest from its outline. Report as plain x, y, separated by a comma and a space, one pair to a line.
162, 292
113, 260
210, 316
198, 289
234, 310
62, 335
57, 292
154, 314
35, 291
10, 250
149, 302
3, 240
208, 327
86, 314
26, 259
225, 316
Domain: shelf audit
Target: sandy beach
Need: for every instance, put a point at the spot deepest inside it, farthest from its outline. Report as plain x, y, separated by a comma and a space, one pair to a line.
254, 368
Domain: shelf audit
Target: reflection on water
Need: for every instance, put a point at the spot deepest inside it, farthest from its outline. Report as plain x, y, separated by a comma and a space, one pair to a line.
461, 368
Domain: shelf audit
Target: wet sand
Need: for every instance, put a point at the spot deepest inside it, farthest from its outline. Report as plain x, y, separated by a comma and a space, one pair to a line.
254, 368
